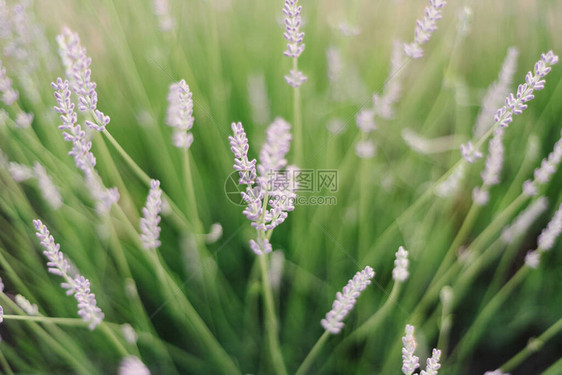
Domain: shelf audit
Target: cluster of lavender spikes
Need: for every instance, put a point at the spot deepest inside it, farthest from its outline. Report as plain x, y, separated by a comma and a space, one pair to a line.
410, 362
546, 239
345, 300
77, 286
424, 29
274, 188
515, 105
491, 173
180, 114
150, 220
83, 157
77, 66
295, 37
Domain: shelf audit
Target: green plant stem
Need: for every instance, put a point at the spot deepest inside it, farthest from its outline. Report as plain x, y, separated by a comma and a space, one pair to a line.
297, 119
271, 319
309, 359
113, 339
533, 346
77, 322
5, 365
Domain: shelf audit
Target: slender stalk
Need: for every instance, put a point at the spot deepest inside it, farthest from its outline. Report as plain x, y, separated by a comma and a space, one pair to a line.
271, 320
297, 119
5, 365
309, 359
533, 346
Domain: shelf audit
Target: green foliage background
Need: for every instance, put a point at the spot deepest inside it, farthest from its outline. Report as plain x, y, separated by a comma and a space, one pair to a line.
216, 46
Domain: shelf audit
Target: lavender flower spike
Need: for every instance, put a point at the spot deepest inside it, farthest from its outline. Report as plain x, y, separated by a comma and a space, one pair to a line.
410, 362
150, 220
432, 363
77, 286
515, 104
180, 114
346, 299
49, 191
424, 28
1, 314
239, 146
77, 66
543, 174
132, 365
295, 37
400, 271
546, 239
9, 95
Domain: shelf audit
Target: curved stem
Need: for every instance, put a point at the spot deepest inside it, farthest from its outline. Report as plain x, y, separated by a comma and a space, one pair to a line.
271, 320
303, 368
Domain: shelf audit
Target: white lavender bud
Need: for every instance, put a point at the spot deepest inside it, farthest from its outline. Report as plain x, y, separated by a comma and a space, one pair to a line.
9, 95
131, 365
346, 299
129, 334
151, 217
495, 372
496, 94
432, 365
410, 362
400, 271
469, 153
275, 148
524, 220
214, 234
549, 234
49, 191
24, 120
162, 13
424, 28
365, 120
77, 286
20, 172
365, 149
533, 259
515, 104
494, 161
180, 114
27, 307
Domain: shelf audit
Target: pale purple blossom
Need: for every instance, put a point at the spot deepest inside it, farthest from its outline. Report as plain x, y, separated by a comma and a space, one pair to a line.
346, 299
180, 114
469, 153
77, 286
547, 237
49, 191
295, 37
77, 66
400, 271
410, 362
366, 120
515, 104
524, 220
24, 120
162, 12
424, 28
432, 364
9, 94
495, 372
28, 308
533, 259
452, 183
492, 170
365, 149
239, 146
149, 223
20, 172
132, 365
261, 247
543, 174
383, 104
1, 314
496, 93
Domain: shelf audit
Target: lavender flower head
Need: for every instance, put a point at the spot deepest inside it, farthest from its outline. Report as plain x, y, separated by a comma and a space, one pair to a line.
492, 170
270, 196
295, 37
515, 104
77, 66
410, 362
400, 271
544, 173
162, 12
469, 153
180, 114
9, 95
546, 239
424, 28
345, 300
432, 364
77, 286
495, 372
151, 218
524, 220
132, 365
1, 314
49, 191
